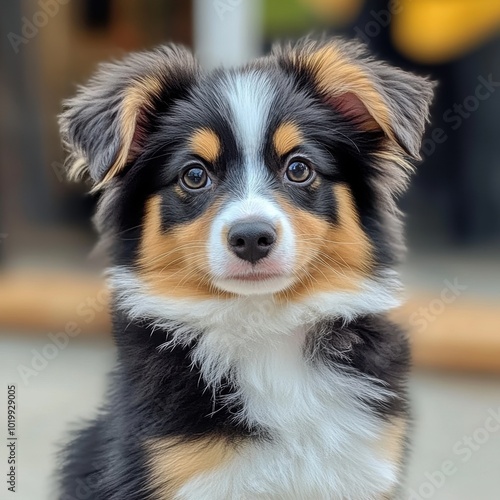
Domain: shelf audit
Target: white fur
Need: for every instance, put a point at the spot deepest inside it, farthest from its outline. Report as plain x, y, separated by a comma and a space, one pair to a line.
248, 317
224, 263
325, 439
250, 97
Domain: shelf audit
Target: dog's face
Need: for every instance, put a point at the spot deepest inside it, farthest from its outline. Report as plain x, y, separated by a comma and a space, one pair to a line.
251, 197
276, 178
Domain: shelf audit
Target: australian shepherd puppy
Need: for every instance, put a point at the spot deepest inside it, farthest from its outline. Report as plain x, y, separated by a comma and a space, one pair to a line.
253, 230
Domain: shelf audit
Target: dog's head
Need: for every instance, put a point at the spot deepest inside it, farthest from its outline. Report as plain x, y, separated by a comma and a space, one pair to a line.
276, 178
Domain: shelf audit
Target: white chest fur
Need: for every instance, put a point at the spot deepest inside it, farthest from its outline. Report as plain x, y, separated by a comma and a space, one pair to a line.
325, 442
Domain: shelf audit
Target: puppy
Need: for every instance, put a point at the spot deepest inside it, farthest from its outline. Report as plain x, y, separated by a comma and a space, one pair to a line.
253, 229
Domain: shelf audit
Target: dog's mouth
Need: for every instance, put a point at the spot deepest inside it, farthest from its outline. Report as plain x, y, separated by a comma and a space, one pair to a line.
255, 282
256, 276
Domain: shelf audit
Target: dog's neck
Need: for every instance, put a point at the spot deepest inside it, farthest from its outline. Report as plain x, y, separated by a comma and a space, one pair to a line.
224, 335
311, 398
248, 318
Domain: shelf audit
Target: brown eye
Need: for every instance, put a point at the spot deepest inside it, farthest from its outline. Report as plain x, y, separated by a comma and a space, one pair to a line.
196, 178
299, 172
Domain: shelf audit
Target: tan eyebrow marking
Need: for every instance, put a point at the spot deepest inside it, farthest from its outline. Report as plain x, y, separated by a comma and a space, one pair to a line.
205, 143
286, 137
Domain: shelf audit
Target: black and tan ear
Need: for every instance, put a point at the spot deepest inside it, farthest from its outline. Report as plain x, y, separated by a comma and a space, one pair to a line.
371, 93
105, 125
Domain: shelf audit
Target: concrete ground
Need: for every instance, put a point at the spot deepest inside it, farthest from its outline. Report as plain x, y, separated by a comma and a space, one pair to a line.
456, 446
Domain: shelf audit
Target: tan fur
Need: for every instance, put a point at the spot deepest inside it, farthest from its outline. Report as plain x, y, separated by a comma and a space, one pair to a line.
391, 156
137, 98
330, 257
393, 444
393, 440
174, 463
337, 76
180, 192
205, 143
286, 137
77, 165
175, 263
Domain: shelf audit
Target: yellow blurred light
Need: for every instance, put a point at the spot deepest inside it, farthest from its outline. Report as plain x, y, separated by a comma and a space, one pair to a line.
431, 31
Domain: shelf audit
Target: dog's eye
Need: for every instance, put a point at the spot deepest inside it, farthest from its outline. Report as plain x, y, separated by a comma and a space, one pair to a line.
299, 172
195, 177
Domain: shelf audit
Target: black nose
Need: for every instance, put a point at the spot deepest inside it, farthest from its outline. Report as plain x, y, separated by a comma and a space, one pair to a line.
251, 241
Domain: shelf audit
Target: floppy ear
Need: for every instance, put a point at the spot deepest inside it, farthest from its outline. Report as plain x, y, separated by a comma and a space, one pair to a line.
105, 125
371, 93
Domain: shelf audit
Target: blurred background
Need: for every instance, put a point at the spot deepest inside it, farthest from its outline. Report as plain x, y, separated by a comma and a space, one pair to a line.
54, 326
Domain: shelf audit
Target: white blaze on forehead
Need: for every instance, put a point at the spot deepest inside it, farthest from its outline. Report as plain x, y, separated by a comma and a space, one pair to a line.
250, 96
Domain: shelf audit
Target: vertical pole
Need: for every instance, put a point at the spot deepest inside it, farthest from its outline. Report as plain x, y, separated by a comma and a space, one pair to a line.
227, 32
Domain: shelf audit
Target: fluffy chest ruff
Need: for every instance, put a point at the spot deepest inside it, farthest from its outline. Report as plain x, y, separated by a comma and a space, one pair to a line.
321, 440
318, 432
